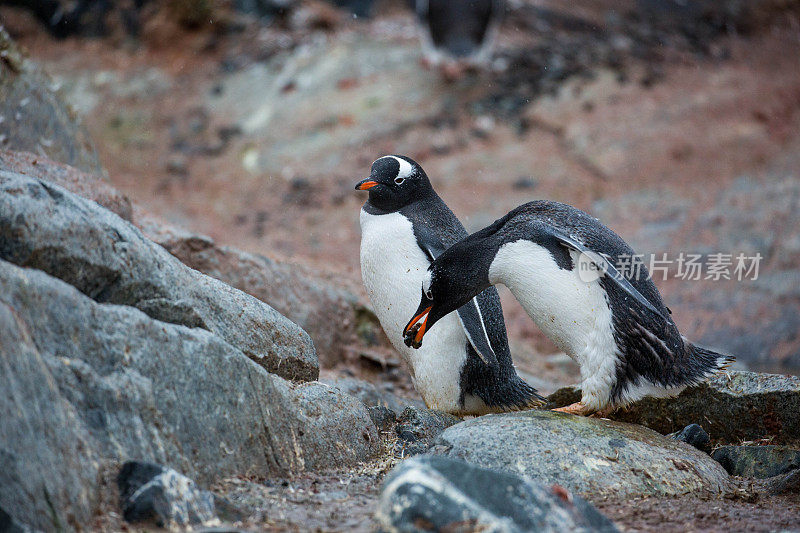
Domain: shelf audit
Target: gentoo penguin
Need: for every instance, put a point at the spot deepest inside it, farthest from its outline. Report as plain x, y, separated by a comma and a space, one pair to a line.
459, 30
610, 320
465, 368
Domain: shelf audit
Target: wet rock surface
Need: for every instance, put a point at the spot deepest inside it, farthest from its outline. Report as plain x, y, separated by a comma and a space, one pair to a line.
108, 382
440, 494
150, 492
585, 455
46, 227
757, 461
33, 118
735, 406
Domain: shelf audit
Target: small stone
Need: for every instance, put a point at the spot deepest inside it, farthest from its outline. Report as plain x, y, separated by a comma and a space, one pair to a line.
383, 417
152, 492
415, 424
693, 435
178, 165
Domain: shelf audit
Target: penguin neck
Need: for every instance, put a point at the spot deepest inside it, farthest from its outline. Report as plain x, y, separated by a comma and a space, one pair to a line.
467, 269
381, 205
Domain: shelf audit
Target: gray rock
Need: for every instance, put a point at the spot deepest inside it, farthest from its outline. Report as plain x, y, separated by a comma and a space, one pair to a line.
441, 494
733, 407
84, 383
388, 73
9, 525
784, 484
33, 118
418, 424
383, 417
149, 492
326, 309
759, 462
585, 455
91, 186
371, 394
693, 435
46, 227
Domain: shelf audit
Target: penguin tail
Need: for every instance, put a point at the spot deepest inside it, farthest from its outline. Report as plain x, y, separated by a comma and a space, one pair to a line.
709, 361
519, 396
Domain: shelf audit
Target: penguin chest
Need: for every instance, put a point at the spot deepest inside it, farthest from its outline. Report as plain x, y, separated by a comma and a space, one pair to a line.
392, 269
572, 312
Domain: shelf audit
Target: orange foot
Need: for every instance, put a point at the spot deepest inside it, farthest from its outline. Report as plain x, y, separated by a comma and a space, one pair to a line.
580, 409
575, 409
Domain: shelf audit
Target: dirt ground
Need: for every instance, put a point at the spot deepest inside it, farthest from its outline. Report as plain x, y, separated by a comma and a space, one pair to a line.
692, 514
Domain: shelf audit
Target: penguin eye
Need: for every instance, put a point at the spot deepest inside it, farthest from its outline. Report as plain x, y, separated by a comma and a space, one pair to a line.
399, 181
429, 294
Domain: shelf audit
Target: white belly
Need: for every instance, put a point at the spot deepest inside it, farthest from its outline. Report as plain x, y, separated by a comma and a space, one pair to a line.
392, 268
573, 313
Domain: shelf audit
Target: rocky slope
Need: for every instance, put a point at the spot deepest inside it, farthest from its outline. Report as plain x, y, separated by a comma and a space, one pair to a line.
156, 375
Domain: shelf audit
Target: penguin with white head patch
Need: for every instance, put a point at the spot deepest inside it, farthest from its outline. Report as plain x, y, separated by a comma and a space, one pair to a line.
465, 367
456, 33
611, 321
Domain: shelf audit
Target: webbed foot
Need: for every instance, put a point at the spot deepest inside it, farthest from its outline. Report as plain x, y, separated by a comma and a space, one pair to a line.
577, 408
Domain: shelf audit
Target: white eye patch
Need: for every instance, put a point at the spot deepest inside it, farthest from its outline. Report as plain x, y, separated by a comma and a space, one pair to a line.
405, 168
426, 283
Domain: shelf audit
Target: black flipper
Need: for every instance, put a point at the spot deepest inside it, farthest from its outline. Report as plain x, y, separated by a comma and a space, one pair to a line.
606, 267
470, 315
471, 319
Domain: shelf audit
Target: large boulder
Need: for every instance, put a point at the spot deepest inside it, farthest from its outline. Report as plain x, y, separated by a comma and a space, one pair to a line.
84, 384
586, 455
46, 227
441, 494
732, 407
33, 118
326, 309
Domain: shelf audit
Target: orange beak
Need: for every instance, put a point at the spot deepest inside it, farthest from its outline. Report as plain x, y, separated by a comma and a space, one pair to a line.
417, 341
366, 184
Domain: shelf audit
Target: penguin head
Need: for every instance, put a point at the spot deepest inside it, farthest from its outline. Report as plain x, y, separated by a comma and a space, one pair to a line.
394, 182
451, 282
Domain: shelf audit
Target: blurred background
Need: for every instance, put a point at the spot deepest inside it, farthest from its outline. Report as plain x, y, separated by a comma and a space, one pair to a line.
677, 123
